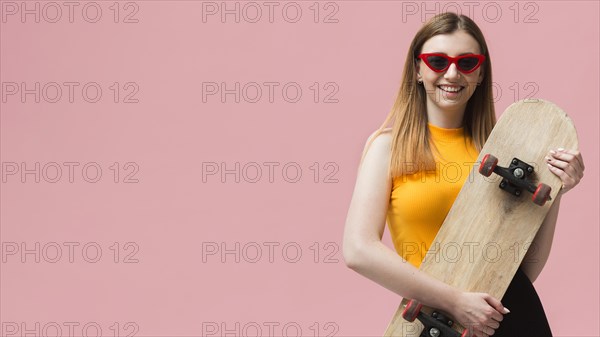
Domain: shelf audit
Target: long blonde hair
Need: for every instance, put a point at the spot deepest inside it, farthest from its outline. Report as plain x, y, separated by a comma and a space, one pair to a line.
410, 135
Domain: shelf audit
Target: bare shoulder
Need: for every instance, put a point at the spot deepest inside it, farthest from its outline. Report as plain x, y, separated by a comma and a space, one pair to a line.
376, 154
379, 142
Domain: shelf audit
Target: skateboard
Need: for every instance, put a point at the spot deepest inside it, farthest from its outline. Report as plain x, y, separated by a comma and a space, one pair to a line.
495, 216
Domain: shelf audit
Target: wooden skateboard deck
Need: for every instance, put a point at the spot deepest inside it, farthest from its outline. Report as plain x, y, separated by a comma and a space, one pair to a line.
488, 230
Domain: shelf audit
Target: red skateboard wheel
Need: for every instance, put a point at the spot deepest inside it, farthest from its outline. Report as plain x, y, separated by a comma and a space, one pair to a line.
488, 164
412, 310
541, 195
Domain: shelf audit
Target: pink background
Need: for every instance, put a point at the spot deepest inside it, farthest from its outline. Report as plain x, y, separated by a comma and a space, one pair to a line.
170, 216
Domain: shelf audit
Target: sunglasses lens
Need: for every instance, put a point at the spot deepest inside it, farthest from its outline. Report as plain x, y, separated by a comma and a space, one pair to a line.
468, 63
437, 62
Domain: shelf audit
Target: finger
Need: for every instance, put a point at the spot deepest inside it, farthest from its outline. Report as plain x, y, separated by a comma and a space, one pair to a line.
570, 167
564, 177
478, 333
475, 329
563, 160
566, 167
497, 305
575, 153
573, 156
486, 331
494, 324
567, 174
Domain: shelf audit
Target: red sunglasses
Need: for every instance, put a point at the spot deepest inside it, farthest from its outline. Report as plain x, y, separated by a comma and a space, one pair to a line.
441, 62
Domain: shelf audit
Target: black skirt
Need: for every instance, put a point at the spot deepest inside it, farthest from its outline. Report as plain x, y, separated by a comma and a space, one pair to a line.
527, 317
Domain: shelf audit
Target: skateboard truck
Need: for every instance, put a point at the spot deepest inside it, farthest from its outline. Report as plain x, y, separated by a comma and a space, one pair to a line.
435, 325
516, 178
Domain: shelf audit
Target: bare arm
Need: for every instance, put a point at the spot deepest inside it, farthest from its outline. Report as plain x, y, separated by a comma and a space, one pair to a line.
362, 247
568, 166
538, 252
365, 253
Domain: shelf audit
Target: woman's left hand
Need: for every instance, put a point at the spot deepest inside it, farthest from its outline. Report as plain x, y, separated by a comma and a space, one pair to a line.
567, 165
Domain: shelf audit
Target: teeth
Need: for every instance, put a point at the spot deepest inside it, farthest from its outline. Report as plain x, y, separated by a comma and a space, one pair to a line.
450, 89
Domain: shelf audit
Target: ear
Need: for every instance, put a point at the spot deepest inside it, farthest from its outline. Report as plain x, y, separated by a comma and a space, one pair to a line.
480, 79
418, 69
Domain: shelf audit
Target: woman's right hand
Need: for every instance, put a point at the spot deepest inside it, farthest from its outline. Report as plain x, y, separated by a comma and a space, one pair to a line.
479, 312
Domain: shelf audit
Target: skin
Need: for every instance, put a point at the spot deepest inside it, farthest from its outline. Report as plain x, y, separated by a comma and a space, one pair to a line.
443, 110
363, 249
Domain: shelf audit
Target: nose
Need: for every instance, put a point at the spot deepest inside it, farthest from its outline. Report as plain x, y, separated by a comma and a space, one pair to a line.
451, 72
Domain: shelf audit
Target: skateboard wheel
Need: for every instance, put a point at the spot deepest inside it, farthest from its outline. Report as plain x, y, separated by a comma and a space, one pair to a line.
412, 310
488, 164
541, 195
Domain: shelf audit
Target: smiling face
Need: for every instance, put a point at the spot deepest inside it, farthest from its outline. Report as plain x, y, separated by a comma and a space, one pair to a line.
449, 91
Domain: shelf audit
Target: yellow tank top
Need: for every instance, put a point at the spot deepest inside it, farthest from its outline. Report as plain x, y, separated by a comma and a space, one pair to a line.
419, 202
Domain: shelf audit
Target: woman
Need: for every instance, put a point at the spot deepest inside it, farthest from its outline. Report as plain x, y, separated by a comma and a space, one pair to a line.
443, 113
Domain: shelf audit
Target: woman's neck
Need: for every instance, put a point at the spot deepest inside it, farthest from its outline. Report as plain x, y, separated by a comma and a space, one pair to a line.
446, 118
